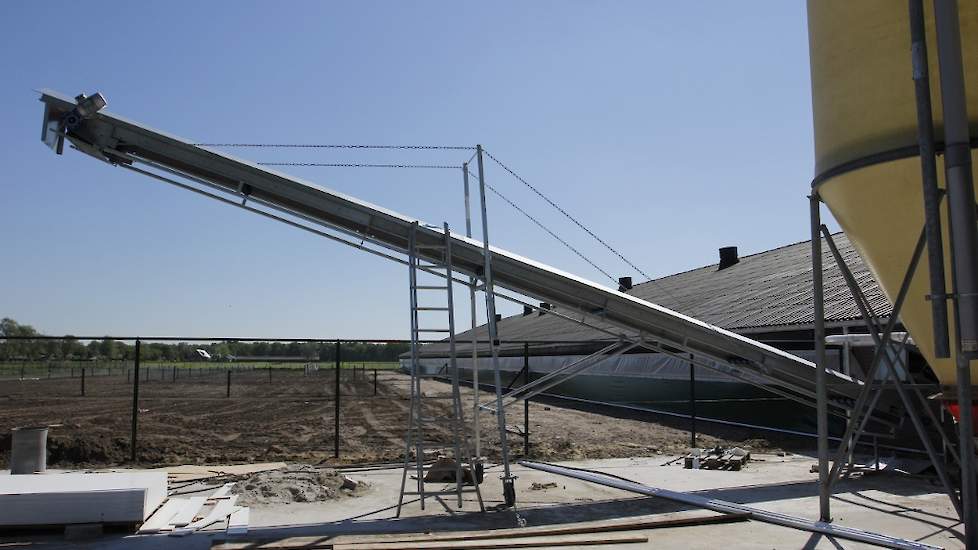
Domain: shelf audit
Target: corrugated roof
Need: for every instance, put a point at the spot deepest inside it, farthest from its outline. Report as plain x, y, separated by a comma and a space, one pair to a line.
765, 290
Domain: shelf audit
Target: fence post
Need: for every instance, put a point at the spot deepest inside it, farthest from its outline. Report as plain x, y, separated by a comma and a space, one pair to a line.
336, 413
174, 373
269, 374
526, 402
83, 382
135, 405
229, 383
375, 381
692, 403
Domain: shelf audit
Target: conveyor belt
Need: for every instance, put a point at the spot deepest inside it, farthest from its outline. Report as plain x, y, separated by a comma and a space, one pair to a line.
122, 142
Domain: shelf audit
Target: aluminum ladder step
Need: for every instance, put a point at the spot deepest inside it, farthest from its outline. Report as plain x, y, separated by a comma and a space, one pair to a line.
423, 421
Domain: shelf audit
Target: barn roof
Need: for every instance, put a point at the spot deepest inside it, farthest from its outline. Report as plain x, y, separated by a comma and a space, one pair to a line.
763, 292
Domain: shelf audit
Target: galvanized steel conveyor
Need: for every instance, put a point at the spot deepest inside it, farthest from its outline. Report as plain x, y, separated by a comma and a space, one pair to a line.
136, 147
118, 141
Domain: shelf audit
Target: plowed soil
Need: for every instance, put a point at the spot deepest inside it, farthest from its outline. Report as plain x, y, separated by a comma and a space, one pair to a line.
190, 420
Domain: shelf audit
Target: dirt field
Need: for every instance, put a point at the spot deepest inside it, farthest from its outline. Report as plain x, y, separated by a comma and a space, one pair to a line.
290, 418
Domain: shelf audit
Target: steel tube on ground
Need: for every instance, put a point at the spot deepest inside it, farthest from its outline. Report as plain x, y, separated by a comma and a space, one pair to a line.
732, 508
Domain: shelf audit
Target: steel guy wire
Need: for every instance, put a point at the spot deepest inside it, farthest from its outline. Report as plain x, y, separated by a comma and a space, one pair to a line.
564, 212
334, 146
439, 166
579, 224
356, 165
547, 229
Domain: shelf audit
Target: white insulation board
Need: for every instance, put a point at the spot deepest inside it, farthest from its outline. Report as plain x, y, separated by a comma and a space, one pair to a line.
59, 499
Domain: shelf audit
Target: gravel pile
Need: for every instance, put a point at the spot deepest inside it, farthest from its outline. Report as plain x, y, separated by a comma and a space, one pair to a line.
295, 483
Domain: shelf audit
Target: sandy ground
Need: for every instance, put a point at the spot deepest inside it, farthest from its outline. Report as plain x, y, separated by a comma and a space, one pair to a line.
291, 418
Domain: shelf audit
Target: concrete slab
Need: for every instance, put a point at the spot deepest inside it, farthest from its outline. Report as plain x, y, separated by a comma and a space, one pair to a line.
889, 503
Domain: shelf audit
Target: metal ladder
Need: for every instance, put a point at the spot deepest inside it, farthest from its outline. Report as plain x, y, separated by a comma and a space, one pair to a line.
420, 417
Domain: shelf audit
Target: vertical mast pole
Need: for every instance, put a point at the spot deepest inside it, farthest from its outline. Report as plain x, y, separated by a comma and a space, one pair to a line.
475, 324
509, 490
821, 406
928, 173
964, 243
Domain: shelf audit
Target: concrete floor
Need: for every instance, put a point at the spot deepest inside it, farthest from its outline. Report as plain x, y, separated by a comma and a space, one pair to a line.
888, 503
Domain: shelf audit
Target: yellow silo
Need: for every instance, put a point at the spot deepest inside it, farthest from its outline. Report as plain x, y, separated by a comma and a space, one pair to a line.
866, 141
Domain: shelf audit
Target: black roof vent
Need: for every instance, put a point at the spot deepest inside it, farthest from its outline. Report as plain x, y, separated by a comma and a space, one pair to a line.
728, 257
499, 317
544, 307
527, 310
624, 284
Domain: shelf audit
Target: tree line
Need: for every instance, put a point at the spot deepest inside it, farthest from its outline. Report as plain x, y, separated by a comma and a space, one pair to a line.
70, 348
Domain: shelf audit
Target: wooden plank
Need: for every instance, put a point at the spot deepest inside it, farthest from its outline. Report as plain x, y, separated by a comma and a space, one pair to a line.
524, 542
238, 521
678, 519
219, 512
657, 521
162, 516
187, 514
182, 473
222, 491
288, 543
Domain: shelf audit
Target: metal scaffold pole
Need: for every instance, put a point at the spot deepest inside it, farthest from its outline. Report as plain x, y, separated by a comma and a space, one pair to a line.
963, 243
821, 406
509, 489
928, 175
475, 337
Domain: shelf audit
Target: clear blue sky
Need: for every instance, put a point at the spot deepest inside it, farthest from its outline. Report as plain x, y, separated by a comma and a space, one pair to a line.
670, 128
